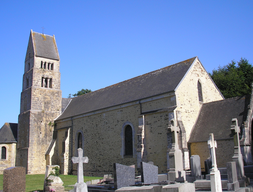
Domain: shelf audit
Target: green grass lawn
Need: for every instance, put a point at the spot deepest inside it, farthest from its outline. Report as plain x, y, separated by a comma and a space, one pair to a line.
36, 182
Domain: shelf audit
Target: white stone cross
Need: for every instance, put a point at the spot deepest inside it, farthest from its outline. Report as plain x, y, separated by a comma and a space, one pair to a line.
174, 129
80, 160
212, 144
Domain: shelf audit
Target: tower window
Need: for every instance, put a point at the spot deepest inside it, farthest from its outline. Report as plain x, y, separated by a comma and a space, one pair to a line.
52, 66
128, 141
45, 65
3, 154
27, 82
41, 64
46, 82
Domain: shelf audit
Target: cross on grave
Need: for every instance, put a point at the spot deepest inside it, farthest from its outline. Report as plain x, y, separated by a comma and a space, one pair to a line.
237, 157
212, 144
80, 160
215, 173
235, 129
174, 130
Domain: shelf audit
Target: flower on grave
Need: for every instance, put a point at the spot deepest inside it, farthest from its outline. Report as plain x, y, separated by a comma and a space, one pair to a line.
52, 190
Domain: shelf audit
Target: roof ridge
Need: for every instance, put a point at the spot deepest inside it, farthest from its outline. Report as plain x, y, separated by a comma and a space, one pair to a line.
99, 90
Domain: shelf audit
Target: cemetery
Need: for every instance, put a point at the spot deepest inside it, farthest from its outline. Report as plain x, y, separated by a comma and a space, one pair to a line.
127, 178
173, 132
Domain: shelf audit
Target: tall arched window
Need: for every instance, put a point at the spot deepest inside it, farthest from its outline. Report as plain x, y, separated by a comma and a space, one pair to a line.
79, 140
200, 92
3, 156
128, 141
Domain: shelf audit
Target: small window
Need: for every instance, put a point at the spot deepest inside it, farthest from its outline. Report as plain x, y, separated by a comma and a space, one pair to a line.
79, 142
41, 64
45, 65
42, 81
128, 141
52, 66
50, 82
27, 82
200, 92
3, 156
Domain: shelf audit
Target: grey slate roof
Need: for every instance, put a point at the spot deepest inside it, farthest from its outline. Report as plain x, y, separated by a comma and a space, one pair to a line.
45, 46
8, 133
65, 102
154, 83
215, 117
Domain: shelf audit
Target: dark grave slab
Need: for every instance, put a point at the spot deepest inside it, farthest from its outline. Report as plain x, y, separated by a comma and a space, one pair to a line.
14, 179
124, 176
149, 173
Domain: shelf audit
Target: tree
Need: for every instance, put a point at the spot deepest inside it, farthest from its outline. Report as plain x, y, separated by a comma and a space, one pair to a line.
234, 80
81, 92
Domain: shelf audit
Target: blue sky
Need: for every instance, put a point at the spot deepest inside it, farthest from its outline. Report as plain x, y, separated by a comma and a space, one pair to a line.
103, 42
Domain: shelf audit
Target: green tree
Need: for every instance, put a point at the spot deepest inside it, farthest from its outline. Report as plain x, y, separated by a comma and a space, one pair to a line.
81, 92
234, 79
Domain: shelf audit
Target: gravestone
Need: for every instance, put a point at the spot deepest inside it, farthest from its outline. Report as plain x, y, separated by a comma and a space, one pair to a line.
233, 183
237, 157
54, 183
215, 173
176, 172
80, 186
49, 169
124, 176
195, 167
14, 179
149, 173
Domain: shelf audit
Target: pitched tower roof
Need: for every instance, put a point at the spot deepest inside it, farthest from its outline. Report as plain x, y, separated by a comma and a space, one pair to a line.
151, 84
43, 46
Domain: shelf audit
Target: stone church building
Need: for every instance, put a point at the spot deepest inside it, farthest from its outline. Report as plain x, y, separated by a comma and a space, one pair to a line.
126, 122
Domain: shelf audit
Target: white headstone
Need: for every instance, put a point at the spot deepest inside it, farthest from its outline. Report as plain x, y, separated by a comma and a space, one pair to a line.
215, 173
80, 186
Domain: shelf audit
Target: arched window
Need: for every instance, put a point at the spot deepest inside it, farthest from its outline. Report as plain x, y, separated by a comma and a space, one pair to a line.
128, 141
3, 156
200, 92
79, 140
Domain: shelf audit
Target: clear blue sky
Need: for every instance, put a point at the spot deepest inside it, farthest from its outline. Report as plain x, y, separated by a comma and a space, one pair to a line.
103, 42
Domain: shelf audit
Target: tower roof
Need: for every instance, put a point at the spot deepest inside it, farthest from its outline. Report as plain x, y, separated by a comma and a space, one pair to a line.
44, 46
151, 84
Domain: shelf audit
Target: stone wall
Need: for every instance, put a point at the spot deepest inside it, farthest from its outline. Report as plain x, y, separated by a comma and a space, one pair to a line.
10, 156
188, 103
103, 135
224, 152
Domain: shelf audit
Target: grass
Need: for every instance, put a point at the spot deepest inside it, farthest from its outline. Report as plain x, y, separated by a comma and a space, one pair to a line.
36, 182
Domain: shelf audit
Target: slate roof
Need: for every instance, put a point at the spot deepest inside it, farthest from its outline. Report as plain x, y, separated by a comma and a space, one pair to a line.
151, 84
45, 46
215, 117
8, 133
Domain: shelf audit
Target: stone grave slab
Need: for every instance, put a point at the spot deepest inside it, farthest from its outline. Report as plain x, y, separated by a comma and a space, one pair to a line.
233, 183
149, 173
179, 187
14, 179
153, 188
54, 183
124, 176
195, 167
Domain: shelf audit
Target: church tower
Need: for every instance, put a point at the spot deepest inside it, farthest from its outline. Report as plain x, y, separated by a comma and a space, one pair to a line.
41, 100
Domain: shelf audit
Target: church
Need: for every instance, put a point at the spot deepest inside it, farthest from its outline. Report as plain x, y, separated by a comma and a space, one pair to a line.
124, 123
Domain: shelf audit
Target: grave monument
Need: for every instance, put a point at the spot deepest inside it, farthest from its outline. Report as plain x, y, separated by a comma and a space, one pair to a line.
176, 172
215, 173
80, 186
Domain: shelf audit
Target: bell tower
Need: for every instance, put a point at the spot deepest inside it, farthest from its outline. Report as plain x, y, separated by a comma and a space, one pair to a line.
41, 101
